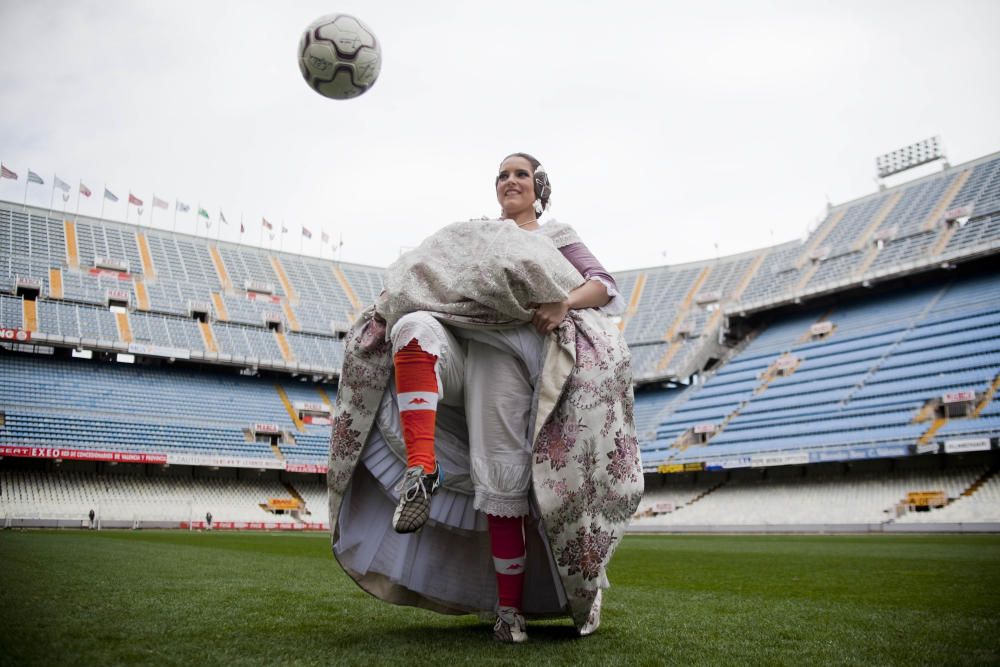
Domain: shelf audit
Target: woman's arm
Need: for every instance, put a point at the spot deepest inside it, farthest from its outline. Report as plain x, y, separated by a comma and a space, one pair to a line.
591, 294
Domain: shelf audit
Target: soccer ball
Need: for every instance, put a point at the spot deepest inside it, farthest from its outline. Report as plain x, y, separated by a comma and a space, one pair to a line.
339, 56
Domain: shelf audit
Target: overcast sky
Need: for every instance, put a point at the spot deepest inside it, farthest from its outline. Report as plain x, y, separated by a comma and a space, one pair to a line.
666, 127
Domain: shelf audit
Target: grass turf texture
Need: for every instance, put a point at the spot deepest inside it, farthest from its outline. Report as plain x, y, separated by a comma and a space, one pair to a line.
79, 597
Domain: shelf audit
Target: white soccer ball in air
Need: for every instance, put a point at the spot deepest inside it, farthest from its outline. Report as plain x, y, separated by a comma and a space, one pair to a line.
339, 56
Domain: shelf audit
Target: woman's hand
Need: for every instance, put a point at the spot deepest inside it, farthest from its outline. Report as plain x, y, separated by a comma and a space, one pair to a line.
548, 316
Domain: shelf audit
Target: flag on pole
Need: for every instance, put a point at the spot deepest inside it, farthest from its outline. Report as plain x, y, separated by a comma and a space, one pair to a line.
132, 199
65, 197
35, 178
84, 190
267, 225
108, 194
61, 184
242, 228
306, 233
7, 173
324, 237
222, 217
284, 230
181, 206
159, 203
203, 213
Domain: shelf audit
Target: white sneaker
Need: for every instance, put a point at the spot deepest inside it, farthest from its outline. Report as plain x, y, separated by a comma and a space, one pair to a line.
510, 627
415, 490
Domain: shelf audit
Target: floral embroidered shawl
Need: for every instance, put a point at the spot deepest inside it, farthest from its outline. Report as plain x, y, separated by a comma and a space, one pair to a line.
586, 473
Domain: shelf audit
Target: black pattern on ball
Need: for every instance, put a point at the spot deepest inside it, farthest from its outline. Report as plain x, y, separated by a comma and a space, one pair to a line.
339, 56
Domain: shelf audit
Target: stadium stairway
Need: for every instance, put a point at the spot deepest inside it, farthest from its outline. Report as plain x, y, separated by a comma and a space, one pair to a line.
30, 315
220, 267
208, 337
286, 284
633, 300
286, 351
221, 312
292, 413
987, 397
816, 239
148, 271
55, 283
141, 294
345, 285
72, 252
670, 336
978, 483
124, 329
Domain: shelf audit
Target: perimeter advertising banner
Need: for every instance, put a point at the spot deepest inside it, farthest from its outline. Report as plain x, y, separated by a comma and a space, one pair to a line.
81, 454
68, 454
253, 525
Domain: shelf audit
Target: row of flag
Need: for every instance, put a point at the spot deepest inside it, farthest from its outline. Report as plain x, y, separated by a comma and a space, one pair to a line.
179, 206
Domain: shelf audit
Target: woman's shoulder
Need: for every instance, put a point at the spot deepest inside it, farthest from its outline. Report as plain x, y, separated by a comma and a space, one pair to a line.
561, 233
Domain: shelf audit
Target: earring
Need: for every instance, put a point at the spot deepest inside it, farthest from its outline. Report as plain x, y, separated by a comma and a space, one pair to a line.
538, 207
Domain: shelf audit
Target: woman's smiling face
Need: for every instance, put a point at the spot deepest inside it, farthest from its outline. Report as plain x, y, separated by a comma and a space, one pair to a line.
515, 186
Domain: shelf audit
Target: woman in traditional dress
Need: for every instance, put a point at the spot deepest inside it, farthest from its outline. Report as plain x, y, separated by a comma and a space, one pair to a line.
468, 401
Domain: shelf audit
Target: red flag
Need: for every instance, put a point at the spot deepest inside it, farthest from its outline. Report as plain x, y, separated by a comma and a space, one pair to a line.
159, 203
84, 190
7, 173
242, 228
132, 199
267, 225
306, 233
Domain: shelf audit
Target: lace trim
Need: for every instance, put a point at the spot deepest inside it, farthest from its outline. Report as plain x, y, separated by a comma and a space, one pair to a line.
617, 304
501, 506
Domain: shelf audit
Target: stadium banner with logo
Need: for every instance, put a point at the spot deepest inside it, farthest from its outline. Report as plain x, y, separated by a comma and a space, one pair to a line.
968, 445
859, 453
15, 335
764, 460
306, 467
159, 351
81, 454
283, 504
727, 464
223, 461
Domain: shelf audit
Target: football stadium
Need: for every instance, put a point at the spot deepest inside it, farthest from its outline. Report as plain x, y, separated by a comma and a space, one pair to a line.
816, 420
846, 382
842, 384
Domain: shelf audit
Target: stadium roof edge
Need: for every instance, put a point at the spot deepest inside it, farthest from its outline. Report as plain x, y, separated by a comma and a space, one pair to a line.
927, 177
713, 260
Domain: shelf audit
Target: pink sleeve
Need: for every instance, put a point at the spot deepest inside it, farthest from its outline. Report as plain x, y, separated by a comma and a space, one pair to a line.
584, 261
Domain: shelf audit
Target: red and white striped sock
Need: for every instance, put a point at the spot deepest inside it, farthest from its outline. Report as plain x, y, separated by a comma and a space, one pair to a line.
507, 545
417, 397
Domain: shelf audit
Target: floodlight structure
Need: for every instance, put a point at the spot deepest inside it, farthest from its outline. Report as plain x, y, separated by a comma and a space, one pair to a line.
910, 156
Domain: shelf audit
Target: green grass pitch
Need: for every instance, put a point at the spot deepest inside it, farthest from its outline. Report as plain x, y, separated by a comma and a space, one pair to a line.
165, 598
